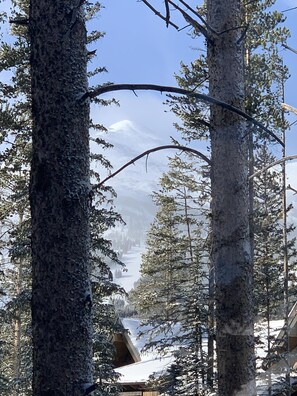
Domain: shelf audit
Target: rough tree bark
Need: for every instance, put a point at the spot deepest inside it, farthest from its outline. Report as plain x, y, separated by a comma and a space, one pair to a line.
59, 197
231, 251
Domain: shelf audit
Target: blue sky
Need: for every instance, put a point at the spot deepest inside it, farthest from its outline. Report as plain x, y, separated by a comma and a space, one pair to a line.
139, 48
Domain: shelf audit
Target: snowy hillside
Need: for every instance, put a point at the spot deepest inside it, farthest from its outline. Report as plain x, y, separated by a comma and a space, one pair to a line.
135, 184
132, 259
130, 140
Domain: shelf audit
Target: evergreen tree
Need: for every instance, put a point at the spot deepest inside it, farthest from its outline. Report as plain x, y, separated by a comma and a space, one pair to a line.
15, 135
15, 216
269, 255
268, 238
172, 294
264, 75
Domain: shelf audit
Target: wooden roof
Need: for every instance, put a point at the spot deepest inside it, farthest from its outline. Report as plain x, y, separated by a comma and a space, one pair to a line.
126, 353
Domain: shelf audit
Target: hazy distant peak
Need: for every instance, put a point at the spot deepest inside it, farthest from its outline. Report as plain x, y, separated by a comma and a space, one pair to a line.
123, 125
132, 130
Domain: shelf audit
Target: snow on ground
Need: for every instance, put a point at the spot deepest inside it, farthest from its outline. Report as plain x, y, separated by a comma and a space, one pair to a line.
133, 327
132, 259
140, 371
151, 362
261, 333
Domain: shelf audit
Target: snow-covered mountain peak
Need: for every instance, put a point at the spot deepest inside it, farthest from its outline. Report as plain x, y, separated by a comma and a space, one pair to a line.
124, 125
128, 133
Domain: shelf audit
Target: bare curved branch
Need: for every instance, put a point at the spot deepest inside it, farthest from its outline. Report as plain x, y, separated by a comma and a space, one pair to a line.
160, 88
147, 152
289, 158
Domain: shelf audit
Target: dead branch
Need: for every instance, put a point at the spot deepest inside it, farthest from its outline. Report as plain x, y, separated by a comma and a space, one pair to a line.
20, 21
191, 21
198, 16
167, 13
292, 109
289, 187
156, 12
289, 9
289, 158
289, 48
243, 34
235, 28
88, 388
146, 153
160, 88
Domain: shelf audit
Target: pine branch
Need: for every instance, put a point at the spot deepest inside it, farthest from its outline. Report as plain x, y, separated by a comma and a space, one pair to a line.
161, 88
146, 153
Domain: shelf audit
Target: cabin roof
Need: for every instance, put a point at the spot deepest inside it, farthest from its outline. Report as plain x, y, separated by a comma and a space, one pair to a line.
138, 373
126, 352
292, 326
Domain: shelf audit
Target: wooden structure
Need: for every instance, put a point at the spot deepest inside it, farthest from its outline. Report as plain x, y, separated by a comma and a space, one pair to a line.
126, 353
139, 393
285, 346
134, 377
288, 348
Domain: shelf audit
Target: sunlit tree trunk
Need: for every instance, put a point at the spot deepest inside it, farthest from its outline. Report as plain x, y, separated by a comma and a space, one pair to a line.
17, 330
211, 327
59, 198
230, 204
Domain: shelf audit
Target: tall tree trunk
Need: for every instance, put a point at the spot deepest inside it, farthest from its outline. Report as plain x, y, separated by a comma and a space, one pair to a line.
285, 250
211, 326
59, 198
230, 204
17, 328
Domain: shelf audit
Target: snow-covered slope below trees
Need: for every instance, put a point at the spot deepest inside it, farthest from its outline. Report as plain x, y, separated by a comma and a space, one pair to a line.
132, 260
135, 184
130, 140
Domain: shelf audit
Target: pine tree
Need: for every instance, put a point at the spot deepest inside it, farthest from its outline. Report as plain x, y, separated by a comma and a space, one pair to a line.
172, 293
15, 217
268, 237
269, 254
16, 131
264, 73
